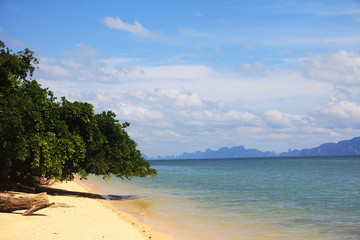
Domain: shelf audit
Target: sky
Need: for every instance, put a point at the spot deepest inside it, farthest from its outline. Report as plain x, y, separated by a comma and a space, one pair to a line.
192, 75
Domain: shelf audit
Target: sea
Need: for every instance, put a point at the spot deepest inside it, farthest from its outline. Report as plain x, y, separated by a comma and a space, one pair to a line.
253, 198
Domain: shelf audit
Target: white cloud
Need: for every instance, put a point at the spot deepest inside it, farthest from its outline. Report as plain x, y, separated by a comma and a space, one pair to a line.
130, 112
136, 28
276, 119
341, 12
236, 117
183, 72
285, 122
190, 32
197, 14
173, 98
87, 69
180, 98
338, 113
186, 30
82, 51
341, 68
123, 74
350, 40
50, 69
166, 133
250, 69
11, 42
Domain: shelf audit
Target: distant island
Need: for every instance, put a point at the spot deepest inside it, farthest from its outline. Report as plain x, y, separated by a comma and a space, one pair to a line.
346, 147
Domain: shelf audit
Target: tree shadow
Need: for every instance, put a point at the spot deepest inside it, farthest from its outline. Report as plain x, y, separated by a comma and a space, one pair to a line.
6, 186
61, 192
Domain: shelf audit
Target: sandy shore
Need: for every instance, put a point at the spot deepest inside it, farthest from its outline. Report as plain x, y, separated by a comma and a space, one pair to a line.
75, 218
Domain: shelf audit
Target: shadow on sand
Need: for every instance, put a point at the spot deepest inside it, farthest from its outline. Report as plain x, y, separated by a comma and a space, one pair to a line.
7, 186
61, 192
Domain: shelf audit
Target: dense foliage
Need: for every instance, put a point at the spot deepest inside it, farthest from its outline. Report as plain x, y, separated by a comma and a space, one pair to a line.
40, 136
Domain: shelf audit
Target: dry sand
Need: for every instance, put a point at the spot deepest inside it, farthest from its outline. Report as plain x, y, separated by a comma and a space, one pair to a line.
75, 218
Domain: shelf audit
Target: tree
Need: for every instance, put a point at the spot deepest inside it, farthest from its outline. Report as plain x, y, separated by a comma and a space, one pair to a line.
43, 137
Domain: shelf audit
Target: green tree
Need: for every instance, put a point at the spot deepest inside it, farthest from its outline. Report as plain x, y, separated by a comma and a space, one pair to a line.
40, 136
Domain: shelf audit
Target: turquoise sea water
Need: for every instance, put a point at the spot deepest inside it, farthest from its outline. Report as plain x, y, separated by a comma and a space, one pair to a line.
261, 198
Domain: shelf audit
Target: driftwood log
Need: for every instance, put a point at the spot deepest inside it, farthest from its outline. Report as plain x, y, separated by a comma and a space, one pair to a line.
31, 202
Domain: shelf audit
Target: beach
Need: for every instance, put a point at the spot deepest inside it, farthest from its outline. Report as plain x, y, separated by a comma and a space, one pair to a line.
75, 218
252, 199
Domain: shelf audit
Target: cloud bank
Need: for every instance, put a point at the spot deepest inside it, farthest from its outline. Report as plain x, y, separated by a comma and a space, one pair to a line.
173, 107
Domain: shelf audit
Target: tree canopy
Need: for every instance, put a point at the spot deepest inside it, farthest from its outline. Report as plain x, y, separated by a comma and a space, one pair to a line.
41, 136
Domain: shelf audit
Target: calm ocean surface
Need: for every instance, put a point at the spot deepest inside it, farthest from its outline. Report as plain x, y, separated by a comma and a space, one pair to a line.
260, 198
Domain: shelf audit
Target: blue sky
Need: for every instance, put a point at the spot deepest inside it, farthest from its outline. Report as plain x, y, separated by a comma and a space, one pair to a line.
191, 75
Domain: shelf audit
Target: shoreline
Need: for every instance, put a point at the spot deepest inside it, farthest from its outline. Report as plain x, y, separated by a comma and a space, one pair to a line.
76, 218
146, 230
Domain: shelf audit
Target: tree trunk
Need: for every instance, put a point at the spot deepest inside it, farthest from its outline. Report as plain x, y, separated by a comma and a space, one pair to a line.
32, 202
37, 207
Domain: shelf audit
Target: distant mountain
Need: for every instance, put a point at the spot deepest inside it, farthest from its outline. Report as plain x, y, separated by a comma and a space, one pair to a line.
224, 152
346, 147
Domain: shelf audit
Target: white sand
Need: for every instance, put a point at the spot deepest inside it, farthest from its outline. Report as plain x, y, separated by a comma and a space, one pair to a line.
75, 218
